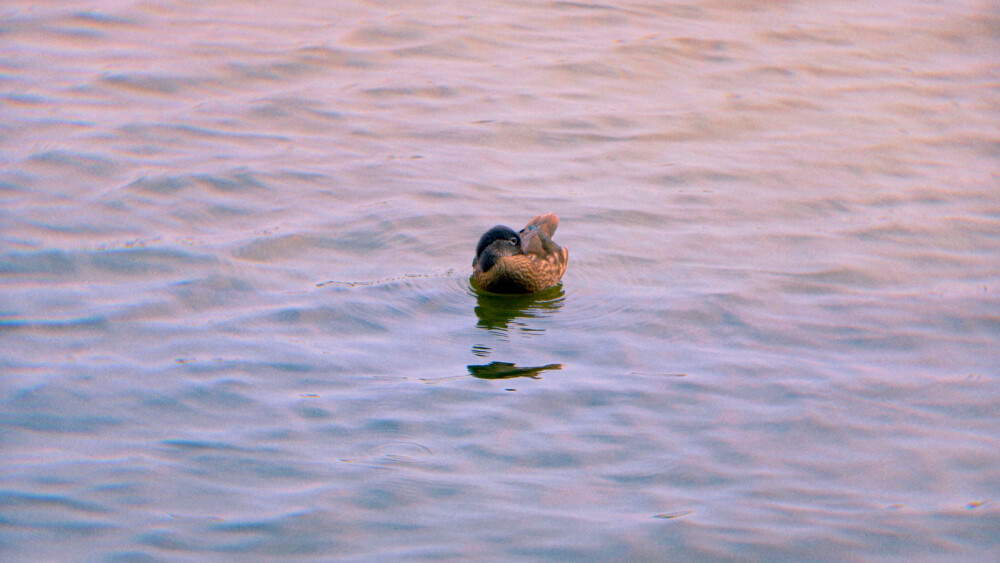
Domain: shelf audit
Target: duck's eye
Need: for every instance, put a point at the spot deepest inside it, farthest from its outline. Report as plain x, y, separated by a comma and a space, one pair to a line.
513, 240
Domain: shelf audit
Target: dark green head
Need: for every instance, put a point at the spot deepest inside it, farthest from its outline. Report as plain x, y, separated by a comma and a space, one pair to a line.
496, 243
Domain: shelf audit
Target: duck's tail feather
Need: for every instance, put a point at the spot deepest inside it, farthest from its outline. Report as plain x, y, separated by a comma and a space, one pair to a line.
546, 222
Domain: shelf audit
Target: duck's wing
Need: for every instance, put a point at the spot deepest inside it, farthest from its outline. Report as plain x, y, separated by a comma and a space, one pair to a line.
548, 260
537, 243
546, 222
536, 236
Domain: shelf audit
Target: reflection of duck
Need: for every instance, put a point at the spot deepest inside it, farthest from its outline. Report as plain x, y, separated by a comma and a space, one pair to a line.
497, 311
525, 262
505, 370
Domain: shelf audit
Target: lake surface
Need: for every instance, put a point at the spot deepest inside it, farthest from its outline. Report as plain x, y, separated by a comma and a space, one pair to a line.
236, 322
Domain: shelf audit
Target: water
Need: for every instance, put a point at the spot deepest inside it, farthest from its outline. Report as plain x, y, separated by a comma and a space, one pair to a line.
236, 319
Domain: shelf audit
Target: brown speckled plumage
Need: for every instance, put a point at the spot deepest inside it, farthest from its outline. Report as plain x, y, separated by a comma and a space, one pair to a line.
523, 262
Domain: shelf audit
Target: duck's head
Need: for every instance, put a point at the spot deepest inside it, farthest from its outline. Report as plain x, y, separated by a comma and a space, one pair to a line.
496, 243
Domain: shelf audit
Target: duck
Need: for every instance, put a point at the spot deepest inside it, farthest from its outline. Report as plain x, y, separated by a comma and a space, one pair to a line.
527, 261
